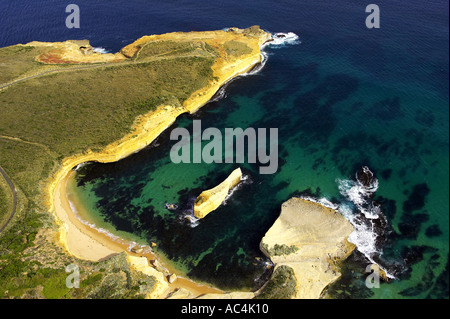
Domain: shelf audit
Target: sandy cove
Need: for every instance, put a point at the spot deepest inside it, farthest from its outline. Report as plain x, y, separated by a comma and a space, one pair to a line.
88, 243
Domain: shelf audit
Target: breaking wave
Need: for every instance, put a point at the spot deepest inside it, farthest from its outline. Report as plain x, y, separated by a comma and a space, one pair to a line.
369, 223
359, 195
244, 180
257, 68
81, 165
99, 50
222, 93
322, 201
364, 214
131, 244
281, 39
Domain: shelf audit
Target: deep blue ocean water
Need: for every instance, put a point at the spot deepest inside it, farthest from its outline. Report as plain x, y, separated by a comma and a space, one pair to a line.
343, 98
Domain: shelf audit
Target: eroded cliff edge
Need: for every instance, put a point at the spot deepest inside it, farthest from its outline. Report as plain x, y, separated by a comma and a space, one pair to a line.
307, 240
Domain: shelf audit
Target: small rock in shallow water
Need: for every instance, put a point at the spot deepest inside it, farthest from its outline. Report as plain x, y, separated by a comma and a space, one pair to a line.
365, 177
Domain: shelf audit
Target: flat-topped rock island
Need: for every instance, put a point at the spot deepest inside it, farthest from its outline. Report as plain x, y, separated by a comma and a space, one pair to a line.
307, 240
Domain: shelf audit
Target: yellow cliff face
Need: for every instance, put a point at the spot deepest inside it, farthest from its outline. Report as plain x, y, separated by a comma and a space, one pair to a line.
212, 198
309, 238
141, 264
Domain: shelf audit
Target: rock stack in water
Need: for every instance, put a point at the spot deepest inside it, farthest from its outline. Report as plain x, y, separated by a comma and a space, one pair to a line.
210, 199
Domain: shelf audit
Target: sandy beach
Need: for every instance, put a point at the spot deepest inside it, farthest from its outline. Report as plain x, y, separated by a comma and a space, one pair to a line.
85, 242
81, 240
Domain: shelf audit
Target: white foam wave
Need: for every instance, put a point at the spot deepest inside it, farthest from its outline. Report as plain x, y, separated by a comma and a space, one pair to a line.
322, 201
358, 194
80, 166
92, 225
100, 50
188, 215
278, 40
260, 66
193, 221
281, 39
364, 235
244, 179
220, 94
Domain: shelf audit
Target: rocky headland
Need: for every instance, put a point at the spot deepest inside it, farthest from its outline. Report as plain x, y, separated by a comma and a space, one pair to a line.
307, 240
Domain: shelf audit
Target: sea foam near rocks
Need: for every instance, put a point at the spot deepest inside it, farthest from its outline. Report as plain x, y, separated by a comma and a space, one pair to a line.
281, 39
100, 50
364, 214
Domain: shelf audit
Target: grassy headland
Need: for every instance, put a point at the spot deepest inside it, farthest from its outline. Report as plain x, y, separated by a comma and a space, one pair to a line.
58, 104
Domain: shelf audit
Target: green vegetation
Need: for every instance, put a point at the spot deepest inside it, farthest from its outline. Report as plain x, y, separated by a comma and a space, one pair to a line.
16, 60
24, 277
66, 113
281, 285
6, 201
21, 235
26, 164
17, 277
159, 49
236, 48
166, 48
280, 250
72, 111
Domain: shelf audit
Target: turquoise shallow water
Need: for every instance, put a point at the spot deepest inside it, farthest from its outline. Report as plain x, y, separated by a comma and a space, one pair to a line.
345, 97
